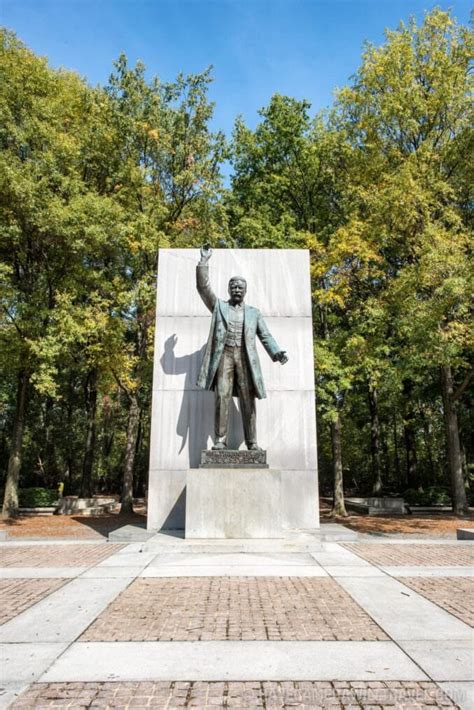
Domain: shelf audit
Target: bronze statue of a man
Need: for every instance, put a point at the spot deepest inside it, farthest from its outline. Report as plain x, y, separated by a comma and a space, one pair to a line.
230, 365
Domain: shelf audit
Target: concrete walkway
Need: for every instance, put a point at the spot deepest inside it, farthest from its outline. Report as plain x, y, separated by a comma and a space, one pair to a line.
165, 624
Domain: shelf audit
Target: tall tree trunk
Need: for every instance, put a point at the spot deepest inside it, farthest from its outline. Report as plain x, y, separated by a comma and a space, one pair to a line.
411, 459
338, 506
428, 445
69, 453
410, 436
50, 463
88, 461
375, 441
107, 440
395, 448
138, 482
132, 430
68, 473
387, 464
460, 506
465, 470
10, 500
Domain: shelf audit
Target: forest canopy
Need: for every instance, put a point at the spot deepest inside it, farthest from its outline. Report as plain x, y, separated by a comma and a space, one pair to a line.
95, 180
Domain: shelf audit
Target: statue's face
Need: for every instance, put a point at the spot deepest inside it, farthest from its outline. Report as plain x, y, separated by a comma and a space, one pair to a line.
237, 290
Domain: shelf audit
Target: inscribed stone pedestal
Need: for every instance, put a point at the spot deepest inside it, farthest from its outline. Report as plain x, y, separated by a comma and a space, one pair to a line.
249, 503
183, 415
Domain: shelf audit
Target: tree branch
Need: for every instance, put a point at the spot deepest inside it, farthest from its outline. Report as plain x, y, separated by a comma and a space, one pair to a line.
120, 384
463, 386
13, 321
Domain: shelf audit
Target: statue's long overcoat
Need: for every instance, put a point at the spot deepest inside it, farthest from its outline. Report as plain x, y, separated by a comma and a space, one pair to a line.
254, 325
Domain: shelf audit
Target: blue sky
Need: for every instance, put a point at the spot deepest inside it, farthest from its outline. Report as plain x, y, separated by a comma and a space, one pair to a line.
303, 48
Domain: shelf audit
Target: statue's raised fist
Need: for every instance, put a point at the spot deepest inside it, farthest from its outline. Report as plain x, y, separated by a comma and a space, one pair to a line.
206, 252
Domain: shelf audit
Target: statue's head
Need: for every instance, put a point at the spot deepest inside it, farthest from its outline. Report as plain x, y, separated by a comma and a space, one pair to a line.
237, 289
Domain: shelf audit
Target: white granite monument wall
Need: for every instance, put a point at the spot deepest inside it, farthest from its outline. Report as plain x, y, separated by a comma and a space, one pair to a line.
278, 283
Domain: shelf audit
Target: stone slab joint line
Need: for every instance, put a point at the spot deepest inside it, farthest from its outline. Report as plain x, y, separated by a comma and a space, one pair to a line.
378, 604
111, 601
35, 622
37, 594
448, 632
413, 651
419, 663
415, 584
61, 647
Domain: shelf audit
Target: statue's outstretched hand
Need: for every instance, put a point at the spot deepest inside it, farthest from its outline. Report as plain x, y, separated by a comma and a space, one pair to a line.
282, 357
206, 253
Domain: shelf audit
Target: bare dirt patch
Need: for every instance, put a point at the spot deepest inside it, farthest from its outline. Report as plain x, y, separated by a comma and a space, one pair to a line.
433, 525
88, 527
69, 526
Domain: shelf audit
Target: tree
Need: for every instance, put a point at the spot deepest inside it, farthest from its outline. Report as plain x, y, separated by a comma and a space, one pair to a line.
287, 191
407, 113
40, 143
58, 240
168, 181
93, 181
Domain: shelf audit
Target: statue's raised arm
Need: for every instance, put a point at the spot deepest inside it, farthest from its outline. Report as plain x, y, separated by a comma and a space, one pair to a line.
203, 284
206, 253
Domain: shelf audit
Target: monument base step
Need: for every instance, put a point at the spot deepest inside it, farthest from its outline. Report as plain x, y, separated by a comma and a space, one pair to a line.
465, 533
132, 533
293, 540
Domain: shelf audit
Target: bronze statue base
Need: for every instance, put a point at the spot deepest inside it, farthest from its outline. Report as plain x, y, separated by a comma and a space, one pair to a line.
233, 458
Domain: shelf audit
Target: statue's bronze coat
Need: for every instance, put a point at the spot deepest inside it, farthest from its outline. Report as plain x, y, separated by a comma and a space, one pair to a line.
254, 325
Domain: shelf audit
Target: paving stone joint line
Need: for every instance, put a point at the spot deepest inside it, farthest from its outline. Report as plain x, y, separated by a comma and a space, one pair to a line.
259, 612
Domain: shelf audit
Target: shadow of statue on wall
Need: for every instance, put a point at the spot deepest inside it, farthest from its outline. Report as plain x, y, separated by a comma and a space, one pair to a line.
195, 425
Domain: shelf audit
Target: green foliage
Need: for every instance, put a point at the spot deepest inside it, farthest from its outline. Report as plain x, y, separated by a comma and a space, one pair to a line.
93, 181
37, 497
434, 495
380, 185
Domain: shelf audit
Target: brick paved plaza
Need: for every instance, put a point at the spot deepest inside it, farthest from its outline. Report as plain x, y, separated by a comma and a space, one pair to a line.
455, 594
16, 595
384, 624
234, 608
270, 695
414, 554
56, 555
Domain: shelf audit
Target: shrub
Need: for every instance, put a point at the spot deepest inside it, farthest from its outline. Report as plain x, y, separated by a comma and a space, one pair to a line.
37, 497
435, 495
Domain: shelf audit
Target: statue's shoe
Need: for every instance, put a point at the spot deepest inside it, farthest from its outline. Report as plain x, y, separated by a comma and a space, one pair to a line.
219, 446
254, 447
